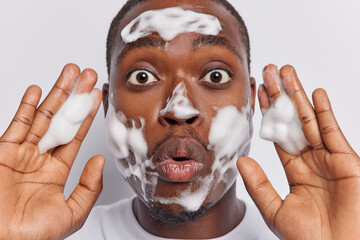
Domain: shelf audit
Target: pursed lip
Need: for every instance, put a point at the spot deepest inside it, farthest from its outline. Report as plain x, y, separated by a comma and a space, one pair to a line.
180, 159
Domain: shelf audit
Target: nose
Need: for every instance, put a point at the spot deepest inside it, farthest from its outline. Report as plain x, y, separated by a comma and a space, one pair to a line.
170, 118
179, 110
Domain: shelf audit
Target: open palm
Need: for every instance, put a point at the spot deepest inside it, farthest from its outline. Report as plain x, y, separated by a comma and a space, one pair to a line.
324, 180
31, 184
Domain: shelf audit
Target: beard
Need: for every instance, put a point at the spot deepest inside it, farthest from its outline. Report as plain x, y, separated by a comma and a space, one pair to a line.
171, 217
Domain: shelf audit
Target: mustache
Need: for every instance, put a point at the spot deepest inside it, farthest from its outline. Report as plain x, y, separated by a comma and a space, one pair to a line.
188, 132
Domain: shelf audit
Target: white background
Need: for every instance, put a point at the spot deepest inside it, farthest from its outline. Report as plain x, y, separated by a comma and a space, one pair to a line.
320, 38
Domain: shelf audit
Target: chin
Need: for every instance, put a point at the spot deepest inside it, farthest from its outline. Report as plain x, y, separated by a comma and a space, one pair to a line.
179, 202
175, 214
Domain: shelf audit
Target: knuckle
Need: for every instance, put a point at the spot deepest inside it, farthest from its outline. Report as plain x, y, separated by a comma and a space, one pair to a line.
33, 138
275, 94
29, 103
324, 111
23, 120
46, 113
62, 91
306, 119
260, 185
79, 138
329, 129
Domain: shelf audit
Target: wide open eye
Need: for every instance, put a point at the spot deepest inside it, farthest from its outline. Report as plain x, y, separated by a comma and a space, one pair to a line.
217, 76
141, 77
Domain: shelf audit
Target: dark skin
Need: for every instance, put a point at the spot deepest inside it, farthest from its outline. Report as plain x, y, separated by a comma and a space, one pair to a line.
181, 63
324, 180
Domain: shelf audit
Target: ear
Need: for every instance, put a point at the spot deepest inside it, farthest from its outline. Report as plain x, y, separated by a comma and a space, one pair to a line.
105, 97
253, 92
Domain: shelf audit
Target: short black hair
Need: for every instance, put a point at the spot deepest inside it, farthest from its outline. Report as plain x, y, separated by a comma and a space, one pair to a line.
113, 30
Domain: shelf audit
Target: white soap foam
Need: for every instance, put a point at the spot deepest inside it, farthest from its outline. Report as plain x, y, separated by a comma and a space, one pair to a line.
169, 23
67, 121
190, 200
121, 140
230, 130
281, 124
179, 104
229, 137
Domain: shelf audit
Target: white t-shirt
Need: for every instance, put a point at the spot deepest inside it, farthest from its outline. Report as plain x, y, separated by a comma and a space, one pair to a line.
117, 221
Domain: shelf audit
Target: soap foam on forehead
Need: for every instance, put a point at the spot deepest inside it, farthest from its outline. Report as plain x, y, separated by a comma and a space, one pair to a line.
169, 23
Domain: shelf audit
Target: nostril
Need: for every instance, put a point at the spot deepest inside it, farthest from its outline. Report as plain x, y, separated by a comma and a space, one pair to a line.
171, 121
191, 120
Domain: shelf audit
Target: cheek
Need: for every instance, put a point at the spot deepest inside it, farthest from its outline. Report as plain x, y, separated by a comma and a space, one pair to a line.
229, 137
125, 139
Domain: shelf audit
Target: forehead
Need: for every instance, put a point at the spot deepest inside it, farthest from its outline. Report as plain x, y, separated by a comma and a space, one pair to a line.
227, 20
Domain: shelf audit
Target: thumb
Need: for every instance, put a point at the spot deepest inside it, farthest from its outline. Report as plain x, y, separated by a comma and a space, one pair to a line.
83, 198
260, 189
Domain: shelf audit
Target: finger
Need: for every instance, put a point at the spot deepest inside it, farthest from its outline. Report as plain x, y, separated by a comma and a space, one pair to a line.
23, 119
86, 81
67, 153
57, 96
260, 189
264, 100
272, 81
83, 198
306, 113
331, 133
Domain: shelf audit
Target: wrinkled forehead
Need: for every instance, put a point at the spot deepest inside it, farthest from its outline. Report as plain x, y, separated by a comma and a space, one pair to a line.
189, 10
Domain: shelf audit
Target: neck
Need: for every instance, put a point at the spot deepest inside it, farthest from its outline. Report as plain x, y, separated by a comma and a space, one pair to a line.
220, 219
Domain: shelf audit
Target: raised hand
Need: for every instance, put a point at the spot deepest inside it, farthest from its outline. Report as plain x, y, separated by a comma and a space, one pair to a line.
33, 205
324, 180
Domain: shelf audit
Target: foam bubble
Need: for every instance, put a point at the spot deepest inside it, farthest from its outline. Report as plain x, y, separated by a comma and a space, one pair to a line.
169, 23
179, 104
190, 200
229, 137
121, 140
281, 124
67, 121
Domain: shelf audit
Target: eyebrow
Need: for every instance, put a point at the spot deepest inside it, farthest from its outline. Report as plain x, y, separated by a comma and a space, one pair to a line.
212, 40
202, 41
140, 43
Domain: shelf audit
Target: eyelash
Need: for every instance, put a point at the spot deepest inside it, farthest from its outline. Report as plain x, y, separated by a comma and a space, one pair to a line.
218, 68
204, 73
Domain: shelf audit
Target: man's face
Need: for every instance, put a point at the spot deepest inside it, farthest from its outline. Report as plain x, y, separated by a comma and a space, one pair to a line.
179, 111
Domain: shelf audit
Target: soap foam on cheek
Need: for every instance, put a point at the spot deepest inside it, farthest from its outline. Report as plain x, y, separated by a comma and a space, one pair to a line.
281, 124
169, 23
229, 137
67, 121
121, 140
179, 105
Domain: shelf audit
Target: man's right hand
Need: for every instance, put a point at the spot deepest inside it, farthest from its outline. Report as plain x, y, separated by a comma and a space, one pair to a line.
33, 205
